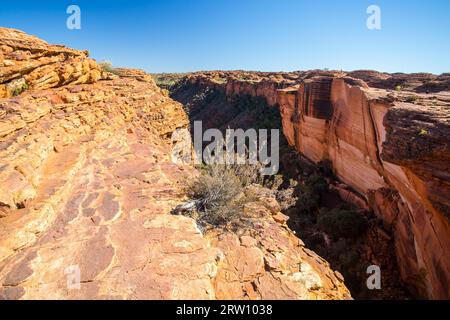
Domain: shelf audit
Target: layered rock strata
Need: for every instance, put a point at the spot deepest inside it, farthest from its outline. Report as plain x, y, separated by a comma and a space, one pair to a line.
87, 187
390, 147
28, 62
393, 153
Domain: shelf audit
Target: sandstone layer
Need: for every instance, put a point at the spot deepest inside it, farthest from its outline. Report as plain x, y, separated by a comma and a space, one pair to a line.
87, 187
28, 62
387, 139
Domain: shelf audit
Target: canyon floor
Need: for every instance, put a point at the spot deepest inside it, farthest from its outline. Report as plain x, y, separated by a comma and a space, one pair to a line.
88, 185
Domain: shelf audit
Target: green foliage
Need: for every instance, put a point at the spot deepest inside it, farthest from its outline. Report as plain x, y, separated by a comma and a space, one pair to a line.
412, 99
309, 192
326, 168
167, 80
398, 88
348, 258
220, 80
244, 77
265, 117
21, 89
342, 223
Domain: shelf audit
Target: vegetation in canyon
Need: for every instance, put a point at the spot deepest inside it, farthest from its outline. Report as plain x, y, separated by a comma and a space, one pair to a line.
219, 193
336, 230
88, 161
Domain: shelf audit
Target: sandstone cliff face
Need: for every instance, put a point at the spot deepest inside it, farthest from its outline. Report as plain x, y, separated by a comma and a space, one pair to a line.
389, 147
393, 153
87, 185
30, 63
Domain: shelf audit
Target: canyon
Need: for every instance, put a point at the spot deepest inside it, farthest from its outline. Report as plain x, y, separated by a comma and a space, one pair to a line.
385, 137
88, 188
87, 178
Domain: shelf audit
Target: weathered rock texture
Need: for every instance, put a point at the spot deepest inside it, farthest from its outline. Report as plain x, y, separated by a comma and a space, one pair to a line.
29, 62
389, 146
87, 185
393, 153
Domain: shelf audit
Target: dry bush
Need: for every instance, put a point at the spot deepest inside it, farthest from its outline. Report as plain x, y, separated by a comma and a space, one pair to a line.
215, 187
219, 192
108, 67
286, 197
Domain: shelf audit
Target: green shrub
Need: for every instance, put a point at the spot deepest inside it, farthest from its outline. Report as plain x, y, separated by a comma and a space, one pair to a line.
21, 89
412, 99
309, 192
342, 223
168, 80
326, 168
349, 259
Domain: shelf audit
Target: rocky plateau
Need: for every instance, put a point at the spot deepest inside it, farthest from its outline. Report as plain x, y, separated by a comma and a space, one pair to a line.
87, 187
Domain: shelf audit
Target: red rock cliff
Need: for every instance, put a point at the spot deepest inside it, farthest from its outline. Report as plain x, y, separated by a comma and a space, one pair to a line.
393, 153
390, 147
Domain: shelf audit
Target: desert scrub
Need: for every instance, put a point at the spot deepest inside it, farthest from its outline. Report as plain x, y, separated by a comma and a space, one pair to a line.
412, 99
309, 192
216, 189
218, 194
19, 90
107, 66
341, 223
256, 108
167, 80
285, 196
326, 168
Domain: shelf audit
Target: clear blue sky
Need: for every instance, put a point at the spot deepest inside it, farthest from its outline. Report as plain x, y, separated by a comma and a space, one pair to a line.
266, 35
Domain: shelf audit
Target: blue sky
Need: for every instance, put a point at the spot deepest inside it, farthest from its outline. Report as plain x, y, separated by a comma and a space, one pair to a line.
265, 35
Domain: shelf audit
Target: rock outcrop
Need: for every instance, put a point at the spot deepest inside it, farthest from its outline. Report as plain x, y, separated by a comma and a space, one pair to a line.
386, 137
87, 187
27, 62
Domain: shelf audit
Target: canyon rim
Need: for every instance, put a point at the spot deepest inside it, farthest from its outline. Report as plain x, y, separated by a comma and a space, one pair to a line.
107, 191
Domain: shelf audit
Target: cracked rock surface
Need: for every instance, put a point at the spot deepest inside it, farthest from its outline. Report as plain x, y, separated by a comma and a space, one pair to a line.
87, 186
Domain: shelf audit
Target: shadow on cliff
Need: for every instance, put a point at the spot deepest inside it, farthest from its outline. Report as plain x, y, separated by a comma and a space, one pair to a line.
346, 237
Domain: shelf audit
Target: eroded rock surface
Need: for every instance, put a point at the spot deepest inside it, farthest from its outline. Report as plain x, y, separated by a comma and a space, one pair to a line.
87, 186
28, 62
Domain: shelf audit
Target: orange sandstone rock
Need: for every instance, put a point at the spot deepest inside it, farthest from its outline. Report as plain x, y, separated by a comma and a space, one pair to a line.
377, 143
387, 137
87, 185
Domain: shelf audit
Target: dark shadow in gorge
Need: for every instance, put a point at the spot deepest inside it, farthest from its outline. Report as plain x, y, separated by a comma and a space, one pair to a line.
351, 243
